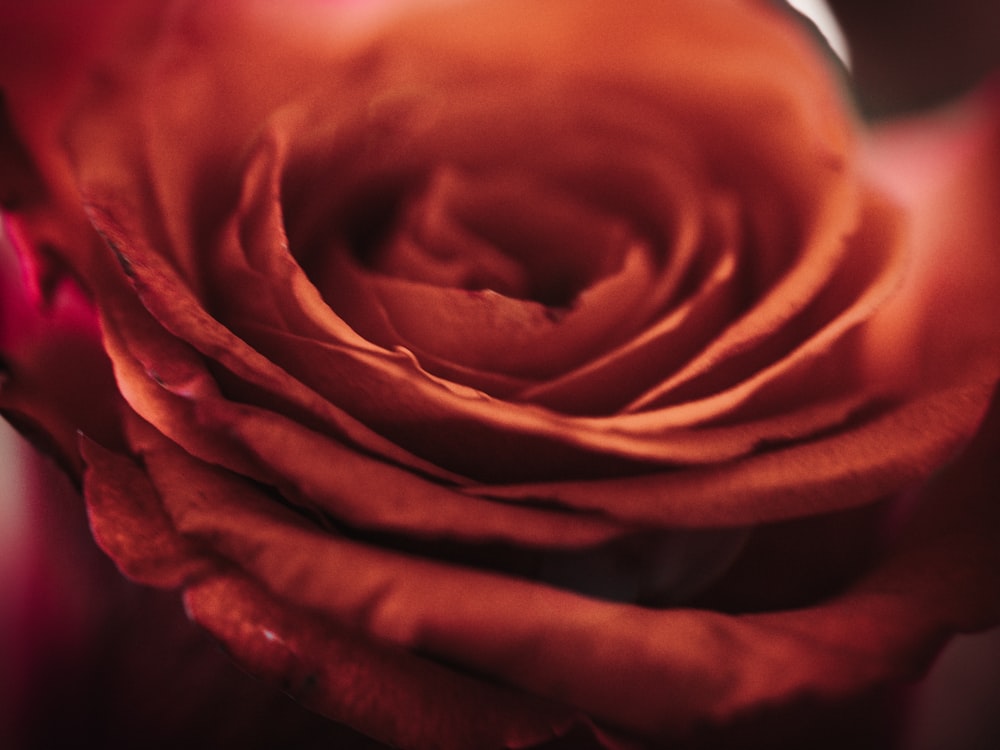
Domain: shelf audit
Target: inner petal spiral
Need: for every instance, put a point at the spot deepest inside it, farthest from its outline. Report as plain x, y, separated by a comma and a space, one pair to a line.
504, 233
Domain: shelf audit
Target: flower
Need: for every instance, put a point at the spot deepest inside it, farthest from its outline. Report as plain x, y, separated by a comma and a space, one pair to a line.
472, 362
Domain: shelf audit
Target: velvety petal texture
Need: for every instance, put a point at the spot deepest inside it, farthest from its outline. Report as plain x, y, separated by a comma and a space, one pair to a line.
470, 357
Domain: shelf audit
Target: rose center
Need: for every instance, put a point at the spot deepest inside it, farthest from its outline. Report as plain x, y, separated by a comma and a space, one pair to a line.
506, 234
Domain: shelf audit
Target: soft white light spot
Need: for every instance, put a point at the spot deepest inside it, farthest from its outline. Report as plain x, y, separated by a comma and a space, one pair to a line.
819, 13
269, 635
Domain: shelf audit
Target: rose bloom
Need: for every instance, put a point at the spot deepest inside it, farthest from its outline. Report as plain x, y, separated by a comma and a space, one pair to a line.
492, 374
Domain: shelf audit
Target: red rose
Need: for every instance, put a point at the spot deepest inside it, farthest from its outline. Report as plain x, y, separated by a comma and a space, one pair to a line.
475, 365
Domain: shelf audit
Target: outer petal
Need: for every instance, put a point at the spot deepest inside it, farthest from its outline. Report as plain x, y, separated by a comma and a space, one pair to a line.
662, 669
48, 50
334, 668
943, 167
55, 378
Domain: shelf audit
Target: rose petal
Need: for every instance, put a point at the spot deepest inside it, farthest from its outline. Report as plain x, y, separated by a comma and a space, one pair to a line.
129, 523
54, 376
319, 474
880, 453
942, 167
46, 53
386, 692
382, 691
662, 669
